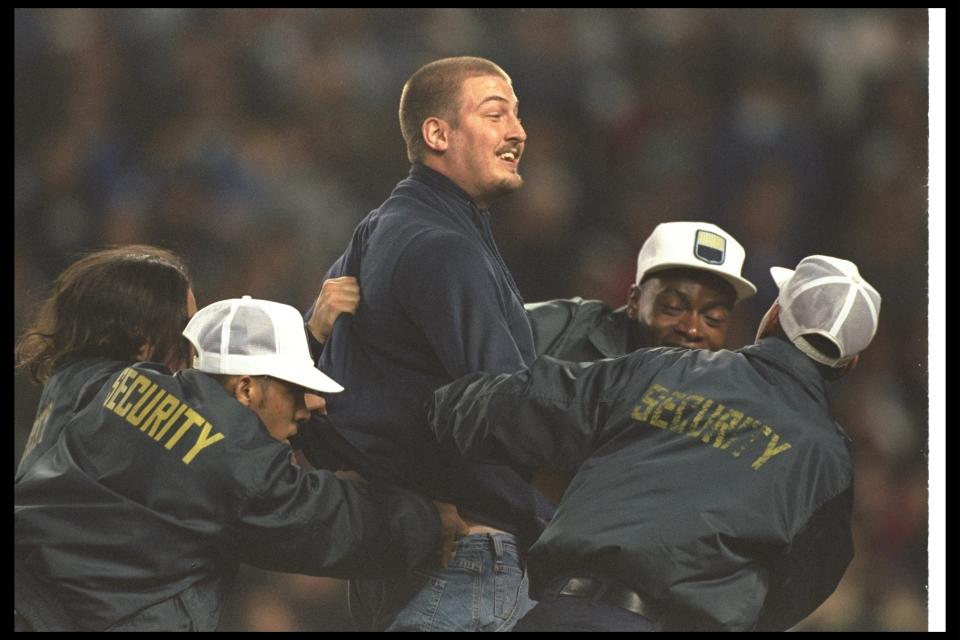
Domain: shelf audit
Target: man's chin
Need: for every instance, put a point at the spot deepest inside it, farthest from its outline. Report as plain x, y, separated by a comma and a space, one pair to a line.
501, 188
511, 183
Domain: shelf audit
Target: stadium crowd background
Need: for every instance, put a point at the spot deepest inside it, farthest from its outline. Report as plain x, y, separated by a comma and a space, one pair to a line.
252, 141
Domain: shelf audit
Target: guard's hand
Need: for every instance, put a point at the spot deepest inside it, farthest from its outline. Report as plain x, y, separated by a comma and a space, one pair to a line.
552, 483
349, 474
452, 528
337, 295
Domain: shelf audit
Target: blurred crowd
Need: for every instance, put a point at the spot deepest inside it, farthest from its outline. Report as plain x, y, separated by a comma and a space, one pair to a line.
252, 141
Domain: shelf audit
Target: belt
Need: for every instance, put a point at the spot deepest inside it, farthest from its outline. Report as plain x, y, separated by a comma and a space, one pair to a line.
609, 592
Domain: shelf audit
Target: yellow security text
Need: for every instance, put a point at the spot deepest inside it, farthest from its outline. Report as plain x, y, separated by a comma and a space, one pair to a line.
156, 413
709, 422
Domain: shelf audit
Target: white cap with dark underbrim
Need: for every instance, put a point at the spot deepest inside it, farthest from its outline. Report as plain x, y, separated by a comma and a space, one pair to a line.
826, 296
695, 245
254, 337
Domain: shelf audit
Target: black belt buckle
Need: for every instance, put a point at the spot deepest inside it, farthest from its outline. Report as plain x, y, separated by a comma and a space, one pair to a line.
611, 593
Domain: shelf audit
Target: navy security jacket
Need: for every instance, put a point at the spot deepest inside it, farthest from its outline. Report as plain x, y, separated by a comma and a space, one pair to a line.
715, 483
437, 302
579, 330
140, 492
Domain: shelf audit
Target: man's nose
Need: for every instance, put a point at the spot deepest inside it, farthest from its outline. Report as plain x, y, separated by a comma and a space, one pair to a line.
689, 326
516, 131
306, 405
314, 402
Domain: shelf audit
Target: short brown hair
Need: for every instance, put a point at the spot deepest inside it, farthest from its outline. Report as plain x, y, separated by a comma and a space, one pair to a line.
434, 90
108, 304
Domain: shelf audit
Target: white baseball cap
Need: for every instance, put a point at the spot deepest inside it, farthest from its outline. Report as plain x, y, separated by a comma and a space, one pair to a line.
695, 245
255, 337
826, 296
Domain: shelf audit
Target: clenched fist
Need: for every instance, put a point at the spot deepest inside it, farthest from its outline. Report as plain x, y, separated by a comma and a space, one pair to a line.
337, 295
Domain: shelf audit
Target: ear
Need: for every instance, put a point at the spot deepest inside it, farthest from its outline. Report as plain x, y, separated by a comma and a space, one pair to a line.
435, 132
633, 302
770, 322
244, 390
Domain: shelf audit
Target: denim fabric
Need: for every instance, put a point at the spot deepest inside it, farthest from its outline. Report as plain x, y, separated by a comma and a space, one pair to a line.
484, 588
571, 613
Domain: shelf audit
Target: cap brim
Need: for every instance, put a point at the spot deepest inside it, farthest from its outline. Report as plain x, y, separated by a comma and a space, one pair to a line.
741, 286
780, 275
312, 379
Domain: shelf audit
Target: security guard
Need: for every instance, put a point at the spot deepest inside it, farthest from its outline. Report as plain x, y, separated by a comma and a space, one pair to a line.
688, 282
687, 285
141, 491
713, 489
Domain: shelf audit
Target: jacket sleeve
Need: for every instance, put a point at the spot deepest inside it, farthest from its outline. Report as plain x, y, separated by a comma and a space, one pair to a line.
551, 415
315, 523
804, 576
549, 322
451, 292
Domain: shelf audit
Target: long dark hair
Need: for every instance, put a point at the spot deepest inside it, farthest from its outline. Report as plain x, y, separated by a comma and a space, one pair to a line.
109, 304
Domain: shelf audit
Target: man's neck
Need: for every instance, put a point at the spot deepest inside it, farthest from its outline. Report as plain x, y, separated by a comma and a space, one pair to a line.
437, 165
634, 335
435, 176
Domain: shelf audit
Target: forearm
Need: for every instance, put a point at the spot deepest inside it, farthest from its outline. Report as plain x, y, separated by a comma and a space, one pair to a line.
341, 528
801, 579
521, 419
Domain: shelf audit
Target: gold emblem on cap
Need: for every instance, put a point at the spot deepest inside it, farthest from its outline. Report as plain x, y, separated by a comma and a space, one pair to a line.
710, 247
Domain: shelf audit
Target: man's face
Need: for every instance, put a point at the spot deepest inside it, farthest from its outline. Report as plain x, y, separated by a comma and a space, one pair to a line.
281, 405
682, 308
485, 146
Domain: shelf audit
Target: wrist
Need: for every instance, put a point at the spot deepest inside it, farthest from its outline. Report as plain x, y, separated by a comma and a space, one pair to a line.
313, 342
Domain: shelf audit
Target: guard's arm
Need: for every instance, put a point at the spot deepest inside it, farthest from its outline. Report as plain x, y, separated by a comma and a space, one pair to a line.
551, 415
805, 575
315, 523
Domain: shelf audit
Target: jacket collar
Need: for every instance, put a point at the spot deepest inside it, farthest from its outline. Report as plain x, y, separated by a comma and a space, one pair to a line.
424, 174
784, 356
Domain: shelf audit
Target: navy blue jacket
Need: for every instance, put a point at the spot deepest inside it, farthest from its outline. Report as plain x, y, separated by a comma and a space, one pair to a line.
141, 492
715, 483
438, 302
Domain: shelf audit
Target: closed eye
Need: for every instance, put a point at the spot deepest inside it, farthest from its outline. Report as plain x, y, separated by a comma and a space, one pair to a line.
716, 316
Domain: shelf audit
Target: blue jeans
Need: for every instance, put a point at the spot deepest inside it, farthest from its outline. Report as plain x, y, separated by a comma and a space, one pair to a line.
484, 588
